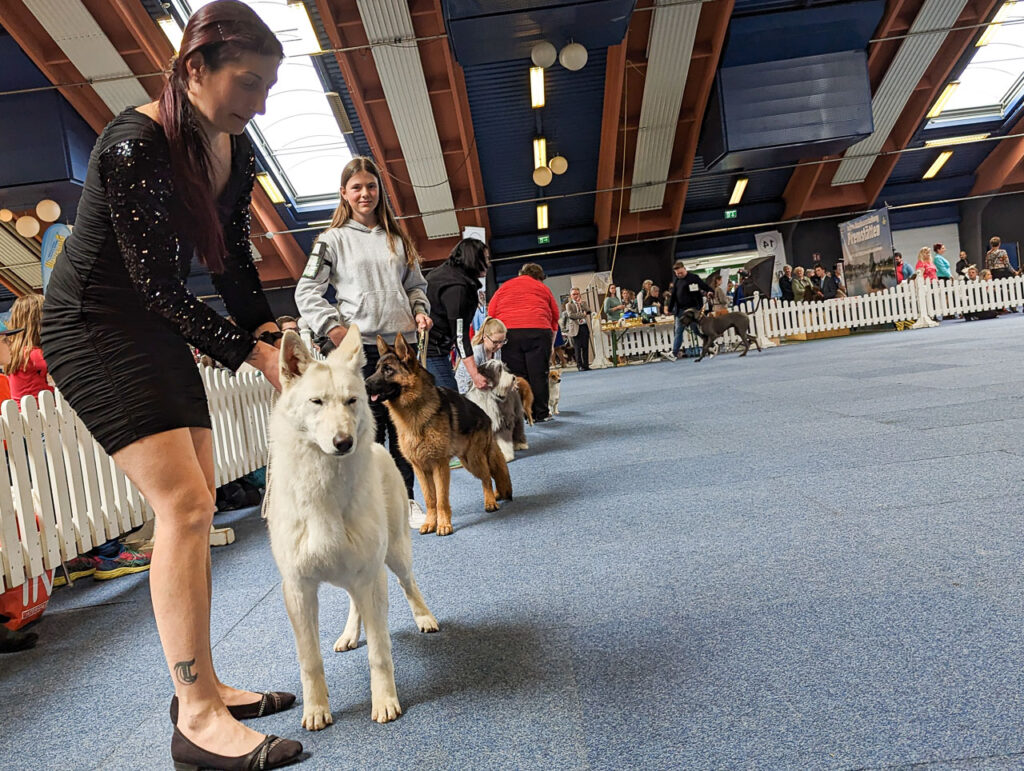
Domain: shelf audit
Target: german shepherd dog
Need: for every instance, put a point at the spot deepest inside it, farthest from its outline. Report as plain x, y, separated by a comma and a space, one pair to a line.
434, 424
713, 327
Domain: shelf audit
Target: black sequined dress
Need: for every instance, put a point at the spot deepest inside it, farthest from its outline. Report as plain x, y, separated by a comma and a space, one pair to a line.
117, 314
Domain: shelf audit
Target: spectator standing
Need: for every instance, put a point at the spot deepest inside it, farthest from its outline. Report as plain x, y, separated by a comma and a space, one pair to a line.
962, 265
942, 269
288, 322
801, 284
719, 300
903, 271
577, 327
997, 260
27, 371
925, 264
827, 283
613, 306
786, 283
452, 293
688, 292
529, 311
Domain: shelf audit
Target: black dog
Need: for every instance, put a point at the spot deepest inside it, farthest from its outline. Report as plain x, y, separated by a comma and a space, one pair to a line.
713, 327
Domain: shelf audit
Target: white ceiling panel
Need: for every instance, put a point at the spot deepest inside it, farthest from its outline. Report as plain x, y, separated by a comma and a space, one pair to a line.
908, 67
405, 90
74, 29
670, 46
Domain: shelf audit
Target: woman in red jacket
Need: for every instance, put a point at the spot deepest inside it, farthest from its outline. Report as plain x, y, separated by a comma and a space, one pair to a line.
529, 311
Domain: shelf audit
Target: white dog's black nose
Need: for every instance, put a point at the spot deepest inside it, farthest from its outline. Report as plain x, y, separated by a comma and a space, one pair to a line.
342, 443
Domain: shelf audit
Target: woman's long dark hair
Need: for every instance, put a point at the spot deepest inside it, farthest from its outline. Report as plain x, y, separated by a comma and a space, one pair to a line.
470, 255
219, 32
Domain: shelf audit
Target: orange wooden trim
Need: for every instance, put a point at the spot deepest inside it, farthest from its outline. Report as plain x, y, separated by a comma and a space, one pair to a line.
615, 72
285, 244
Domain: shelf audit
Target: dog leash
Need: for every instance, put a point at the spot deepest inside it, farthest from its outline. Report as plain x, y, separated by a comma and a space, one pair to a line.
421, 348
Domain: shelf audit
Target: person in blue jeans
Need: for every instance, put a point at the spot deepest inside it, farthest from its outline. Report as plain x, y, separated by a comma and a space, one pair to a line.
452, 292
688, 291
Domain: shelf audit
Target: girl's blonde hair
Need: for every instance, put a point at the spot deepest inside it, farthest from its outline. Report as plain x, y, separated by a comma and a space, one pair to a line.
490, 327
385, 216
27, 315
924, 254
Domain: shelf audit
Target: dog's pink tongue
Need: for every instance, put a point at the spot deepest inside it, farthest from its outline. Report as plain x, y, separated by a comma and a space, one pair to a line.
373, 397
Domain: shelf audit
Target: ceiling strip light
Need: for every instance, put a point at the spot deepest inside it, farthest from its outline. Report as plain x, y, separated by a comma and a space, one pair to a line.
944, 156
334, 100
542, 216
536, 87
270, 187
540, 152
948, 141
303, 31
738, 190
944, 97
171, 31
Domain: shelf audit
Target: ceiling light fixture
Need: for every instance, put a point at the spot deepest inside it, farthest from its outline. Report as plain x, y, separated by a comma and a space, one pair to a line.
944, 156
540, 152
738, 190
536, 87
944, 97
542, 216
340, 116
948, 141
27, 226
573, 57
270, 187
558, 164
543, 54
542, 176
47, 210
6, 215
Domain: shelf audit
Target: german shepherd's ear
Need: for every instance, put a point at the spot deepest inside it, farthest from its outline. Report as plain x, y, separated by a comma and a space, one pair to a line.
382, 346
404, 351
351, 347
295, 358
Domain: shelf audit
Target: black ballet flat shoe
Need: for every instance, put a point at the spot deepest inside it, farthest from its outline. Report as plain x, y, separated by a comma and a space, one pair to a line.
272, 752
270, 703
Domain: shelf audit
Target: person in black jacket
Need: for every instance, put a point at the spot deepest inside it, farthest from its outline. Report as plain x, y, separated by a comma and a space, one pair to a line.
786, 283
452, 291
688, 291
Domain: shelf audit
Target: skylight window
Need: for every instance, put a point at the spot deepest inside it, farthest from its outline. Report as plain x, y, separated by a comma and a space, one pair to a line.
299, 135
993, 80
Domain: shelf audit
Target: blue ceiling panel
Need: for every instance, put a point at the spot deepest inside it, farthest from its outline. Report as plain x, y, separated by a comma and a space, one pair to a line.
505, 125
487, 31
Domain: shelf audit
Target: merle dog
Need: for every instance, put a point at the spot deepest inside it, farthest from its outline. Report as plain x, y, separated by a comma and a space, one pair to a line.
713, 327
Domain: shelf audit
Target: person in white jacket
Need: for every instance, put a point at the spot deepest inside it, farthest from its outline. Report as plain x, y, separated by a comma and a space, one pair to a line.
367, 257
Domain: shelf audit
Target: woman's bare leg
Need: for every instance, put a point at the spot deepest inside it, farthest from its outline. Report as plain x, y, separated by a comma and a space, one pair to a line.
168, 473
202, 441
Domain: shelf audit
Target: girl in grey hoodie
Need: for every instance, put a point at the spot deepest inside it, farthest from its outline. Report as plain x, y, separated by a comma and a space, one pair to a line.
373, 266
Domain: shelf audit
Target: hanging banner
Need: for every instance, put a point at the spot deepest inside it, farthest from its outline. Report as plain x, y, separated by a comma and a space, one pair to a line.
769, 244
53, 245
867, 253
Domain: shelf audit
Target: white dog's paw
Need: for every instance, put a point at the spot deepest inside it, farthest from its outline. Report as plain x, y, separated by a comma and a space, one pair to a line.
316, 717
522, 446
509, 456
385, 709
346, 643
427, 623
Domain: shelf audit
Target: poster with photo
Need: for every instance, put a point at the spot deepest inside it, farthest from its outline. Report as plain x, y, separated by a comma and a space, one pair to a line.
868, 253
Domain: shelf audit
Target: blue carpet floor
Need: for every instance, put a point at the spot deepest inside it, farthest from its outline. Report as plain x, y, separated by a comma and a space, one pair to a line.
807, 558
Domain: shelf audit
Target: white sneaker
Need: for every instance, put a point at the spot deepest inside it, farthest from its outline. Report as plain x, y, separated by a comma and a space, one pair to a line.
417, 516
667, 355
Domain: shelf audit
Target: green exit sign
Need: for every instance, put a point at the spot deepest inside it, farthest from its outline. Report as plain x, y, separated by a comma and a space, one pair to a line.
544, 239
730, 214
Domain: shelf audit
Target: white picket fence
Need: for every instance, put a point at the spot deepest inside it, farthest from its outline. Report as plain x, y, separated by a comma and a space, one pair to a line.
67, 496
917, 301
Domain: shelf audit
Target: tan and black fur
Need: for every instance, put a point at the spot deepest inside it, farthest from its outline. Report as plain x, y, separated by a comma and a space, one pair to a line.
526, 394
434, 424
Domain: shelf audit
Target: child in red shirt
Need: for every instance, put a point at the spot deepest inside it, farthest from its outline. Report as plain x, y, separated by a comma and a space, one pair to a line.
26, 369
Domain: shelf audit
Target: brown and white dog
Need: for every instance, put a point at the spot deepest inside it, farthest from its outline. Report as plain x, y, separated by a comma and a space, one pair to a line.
554, 390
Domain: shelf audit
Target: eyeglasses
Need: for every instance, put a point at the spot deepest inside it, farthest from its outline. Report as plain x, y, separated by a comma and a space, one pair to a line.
498, 343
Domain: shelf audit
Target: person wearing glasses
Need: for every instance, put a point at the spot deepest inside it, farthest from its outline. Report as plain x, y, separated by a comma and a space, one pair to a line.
452, 292
487, 344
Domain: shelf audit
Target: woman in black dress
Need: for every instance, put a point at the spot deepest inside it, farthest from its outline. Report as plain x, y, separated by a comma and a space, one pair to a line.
168, 180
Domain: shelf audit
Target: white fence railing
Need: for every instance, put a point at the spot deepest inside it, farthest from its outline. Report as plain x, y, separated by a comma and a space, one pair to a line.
67, 496
916, 301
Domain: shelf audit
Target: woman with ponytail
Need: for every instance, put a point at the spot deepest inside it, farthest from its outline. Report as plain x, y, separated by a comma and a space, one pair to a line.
168, 181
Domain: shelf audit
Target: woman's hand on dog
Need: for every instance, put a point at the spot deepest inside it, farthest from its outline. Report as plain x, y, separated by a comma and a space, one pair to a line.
480, 381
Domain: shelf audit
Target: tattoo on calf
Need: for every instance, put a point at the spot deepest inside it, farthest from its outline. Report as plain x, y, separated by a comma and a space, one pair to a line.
183, 671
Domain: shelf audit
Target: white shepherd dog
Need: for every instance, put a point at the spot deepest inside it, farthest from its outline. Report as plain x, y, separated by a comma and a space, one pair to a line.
337, 511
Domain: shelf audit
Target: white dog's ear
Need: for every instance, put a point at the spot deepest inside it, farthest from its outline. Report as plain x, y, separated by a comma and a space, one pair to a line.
351, 348
295, 357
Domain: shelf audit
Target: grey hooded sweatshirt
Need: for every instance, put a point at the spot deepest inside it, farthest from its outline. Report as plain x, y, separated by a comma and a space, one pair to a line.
374, 286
